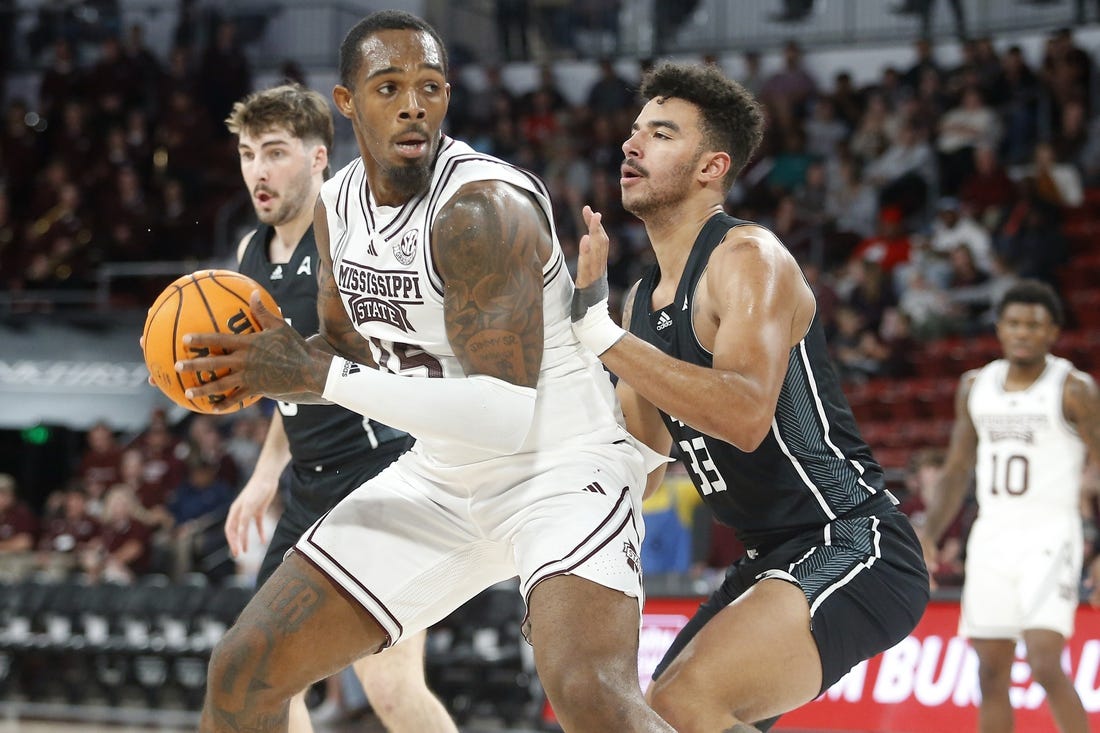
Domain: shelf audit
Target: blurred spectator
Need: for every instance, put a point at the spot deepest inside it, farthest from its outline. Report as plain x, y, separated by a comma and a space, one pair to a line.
120, 549
848, 100
853, 207
966, 276
824, 129
99, 465
610, 92
68, 525
895, 334
801, 237
112, 75
206, 443
889, 246
225, 74
62, 80
927, 306
198, 505
856, 349
905, 173
1066, 69
790, 163
513, 21
988, 192
1070, 134
961, 130
202, 495
18, 524
1016, 95
1054, 182
1030, 241
752, 77
926, 9
788, 92
867, 287
925, 62
953, 228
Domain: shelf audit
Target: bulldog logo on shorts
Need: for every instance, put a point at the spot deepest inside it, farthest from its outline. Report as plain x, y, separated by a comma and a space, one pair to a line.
632, 558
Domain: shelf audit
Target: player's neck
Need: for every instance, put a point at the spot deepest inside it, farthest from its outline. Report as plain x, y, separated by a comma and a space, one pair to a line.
1022, 375
672, 233
289, 233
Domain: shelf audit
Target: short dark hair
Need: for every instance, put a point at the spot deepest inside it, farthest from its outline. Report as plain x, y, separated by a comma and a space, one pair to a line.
303, 112
382, 20
1033, 292
733, 121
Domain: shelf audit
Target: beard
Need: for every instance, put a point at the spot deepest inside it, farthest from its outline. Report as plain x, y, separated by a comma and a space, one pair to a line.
406, 181
291, 201
661, 196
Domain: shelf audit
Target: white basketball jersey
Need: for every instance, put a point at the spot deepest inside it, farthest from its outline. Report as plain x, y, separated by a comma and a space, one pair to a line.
383, 266
1029, 458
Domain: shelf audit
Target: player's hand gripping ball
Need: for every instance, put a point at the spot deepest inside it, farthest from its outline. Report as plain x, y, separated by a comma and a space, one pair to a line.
207, 301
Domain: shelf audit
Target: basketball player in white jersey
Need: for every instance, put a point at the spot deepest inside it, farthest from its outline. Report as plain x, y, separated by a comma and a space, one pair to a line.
284, 135
444, 292
1023, 425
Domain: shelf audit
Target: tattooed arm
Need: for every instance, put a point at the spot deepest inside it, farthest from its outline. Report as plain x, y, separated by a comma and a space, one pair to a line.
491, 246
489, 243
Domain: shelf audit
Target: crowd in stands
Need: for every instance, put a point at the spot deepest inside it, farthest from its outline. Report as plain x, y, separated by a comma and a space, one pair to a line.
154, 503
911, 202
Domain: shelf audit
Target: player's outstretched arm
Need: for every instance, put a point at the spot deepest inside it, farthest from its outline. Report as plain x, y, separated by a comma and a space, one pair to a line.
754, 292
256, 496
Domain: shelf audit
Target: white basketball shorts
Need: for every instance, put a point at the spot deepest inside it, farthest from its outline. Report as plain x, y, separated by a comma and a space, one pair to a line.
419, 540
1021, 577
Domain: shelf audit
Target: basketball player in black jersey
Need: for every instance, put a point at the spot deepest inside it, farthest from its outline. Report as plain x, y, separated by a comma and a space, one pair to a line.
284, 135
725, 356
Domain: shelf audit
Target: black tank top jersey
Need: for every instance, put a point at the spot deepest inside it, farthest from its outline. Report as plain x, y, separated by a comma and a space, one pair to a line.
317, 434
811, 468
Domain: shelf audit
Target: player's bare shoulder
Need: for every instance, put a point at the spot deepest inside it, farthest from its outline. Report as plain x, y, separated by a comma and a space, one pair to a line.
753, 268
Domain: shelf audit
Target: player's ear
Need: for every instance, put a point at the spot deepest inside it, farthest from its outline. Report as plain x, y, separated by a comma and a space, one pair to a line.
320, 158
715, 166
341, 96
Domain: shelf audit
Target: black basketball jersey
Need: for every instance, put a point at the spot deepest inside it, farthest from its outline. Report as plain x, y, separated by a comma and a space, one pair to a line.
318, 434
811, 468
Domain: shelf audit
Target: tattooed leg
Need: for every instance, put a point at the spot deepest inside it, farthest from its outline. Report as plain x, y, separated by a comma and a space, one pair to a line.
281, 644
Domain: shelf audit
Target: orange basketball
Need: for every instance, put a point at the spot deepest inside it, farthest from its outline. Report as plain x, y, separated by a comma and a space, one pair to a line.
207, 301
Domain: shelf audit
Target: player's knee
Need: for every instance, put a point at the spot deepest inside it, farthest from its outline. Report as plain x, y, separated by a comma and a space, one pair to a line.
589, 697
239, 660
1046, 668
670, 703
993, 677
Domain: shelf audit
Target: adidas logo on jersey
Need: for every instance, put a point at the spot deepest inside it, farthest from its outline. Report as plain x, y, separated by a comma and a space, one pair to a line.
277, 273
663, 321
350, 367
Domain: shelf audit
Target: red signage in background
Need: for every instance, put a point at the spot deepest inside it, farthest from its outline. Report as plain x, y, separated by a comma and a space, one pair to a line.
928, 683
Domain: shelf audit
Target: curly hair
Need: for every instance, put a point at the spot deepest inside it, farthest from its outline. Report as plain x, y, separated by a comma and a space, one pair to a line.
383, 20
1033, 292
733, 121
303, 112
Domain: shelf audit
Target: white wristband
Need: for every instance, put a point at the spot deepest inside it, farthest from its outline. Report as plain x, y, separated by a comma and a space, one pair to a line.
596, 330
